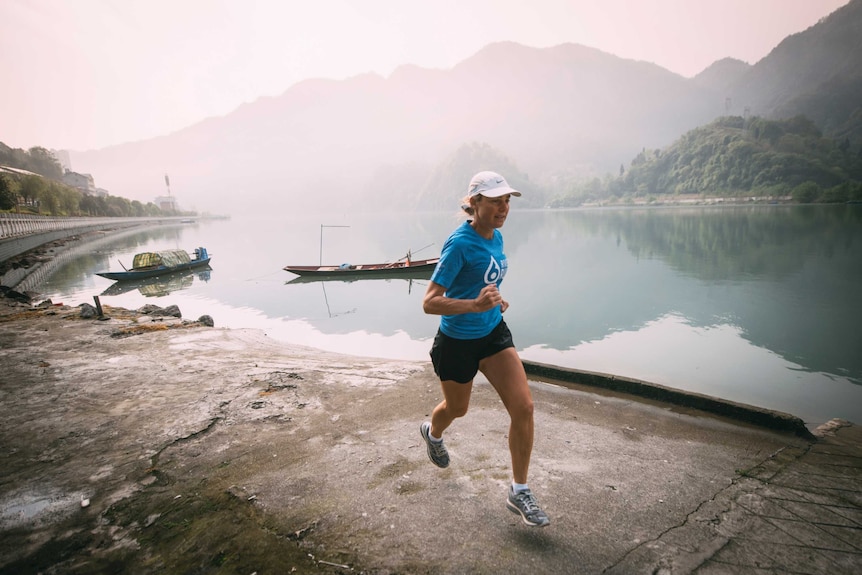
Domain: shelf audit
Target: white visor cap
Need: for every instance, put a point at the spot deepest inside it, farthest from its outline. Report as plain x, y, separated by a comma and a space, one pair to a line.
490, 185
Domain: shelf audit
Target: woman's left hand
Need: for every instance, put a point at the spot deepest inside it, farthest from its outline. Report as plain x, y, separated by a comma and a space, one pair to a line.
504, 306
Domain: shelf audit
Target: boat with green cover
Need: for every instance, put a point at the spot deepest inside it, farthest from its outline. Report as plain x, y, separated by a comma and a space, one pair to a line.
153, 264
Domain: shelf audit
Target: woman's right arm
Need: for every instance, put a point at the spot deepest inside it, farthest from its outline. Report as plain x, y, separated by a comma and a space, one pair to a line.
436, 302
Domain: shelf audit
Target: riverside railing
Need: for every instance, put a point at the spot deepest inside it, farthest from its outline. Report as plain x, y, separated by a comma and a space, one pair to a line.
20, 233
15, 225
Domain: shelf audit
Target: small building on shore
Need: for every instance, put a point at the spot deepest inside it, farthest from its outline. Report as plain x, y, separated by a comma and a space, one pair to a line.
167, 203
82, 182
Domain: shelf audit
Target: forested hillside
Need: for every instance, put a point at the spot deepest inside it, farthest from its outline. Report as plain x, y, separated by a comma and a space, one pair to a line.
737, 157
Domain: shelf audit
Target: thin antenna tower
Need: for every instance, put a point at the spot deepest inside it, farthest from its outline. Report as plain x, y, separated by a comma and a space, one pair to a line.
168, 184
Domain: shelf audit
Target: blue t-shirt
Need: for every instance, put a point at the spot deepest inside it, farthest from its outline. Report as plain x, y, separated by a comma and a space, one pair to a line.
469, 262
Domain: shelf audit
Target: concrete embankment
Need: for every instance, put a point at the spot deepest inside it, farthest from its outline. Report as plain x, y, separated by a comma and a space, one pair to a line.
767, 418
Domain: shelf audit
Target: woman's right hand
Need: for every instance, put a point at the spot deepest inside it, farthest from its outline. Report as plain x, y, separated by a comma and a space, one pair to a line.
436, 302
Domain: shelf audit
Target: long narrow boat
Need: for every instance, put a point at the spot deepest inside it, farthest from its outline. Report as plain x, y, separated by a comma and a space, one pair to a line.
153, 264
410, 275
414, 268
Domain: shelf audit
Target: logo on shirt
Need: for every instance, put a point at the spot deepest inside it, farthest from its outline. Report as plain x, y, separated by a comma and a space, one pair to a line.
494, 273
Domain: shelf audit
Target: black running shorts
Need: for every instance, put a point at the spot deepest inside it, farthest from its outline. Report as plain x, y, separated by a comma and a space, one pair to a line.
458, 359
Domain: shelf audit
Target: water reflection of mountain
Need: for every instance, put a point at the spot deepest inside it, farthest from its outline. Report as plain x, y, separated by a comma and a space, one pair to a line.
161, 285
787, 276
802, 264
738, 243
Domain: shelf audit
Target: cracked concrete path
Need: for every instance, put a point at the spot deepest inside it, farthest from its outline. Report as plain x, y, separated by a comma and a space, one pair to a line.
798, 511
220, 451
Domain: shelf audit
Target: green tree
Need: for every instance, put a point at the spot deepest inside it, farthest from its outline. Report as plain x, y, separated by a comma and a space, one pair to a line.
806, 192
137, 208
118, 207
70, 200
93, 206
836, 194
31, 188
152, 209
8, 197
44, 163
49, 199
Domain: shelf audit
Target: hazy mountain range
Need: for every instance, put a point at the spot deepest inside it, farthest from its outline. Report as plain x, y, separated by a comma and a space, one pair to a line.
558, 114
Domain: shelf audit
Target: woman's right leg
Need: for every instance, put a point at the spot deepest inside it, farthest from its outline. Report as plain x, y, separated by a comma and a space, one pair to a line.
456, 400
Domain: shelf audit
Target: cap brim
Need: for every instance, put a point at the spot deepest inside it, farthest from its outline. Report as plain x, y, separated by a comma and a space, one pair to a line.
497, 192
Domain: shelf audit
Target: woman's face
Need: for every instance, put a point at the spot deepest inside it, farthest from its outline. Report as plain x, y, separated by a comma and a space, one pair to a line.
491, 212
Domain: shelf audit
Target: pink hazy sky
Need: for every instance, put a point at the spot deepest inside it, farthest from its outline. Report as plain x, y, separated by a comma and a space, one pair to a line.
92, 73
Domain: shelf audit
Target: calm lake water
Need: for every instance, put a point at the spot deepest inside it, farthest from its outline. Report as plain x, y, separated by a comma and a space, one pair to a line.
758, 304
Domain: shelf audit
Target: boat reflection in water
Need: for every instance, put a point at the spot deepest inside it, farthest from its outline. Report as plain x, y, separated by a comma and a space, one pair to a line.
423, 272
419, 277
417, 274
160, 285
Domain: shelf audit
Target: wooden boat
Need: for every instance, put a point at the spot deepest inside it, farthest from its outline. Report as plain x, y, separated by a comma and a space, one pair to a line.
153, 264
414, 268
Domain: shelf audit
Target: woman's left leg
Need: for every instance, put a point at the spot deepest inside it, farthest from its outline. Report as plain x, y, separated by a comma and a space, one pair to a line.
505, 372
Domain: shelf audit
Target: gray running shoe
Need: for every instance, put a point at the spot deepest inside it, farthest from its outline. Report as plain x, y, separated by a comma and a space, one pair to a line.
436, 451
524, 502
